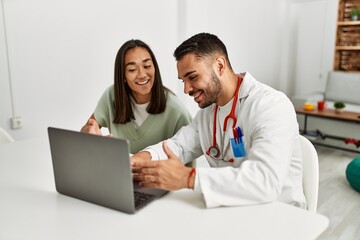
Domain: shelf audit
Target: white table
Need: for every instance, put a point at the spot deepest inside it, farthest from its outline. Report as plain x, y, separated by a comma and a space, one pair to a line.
30, 208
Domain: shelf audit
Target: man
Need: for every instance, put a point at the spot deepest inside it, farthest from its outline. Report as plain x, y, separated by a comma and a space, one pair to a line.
246, 130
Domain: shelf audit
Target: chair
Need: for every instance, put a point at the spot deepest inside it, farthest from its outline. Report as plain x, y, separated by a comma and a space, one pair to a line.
5, 137
310, 168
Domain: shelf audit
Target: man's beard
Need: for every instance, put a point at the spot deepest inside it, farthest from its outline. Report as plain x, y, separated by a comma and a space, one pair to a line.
213, 92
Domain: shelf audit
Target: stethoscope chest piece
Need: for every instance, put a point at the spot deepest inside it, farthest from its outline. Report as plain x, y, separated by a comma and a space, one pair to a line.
213, 151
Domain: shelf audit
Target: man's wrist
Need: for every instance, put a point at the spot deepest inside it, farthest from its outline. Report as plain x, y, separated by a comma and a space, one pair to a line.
191, 180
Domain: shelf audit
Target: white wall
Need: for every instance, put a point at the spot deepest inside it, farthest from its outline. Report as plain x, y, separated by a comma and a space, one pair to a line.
252, 30
314, 43
62, 55
62, 52
5, 93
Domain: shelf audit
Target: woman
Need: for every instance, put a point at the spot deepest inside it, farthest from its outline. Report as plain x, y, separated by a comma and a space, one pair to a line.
138, 107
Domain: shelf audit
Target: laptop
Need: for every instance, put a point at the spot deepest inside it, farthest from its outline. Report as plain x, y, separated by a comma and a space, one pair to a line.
97, 169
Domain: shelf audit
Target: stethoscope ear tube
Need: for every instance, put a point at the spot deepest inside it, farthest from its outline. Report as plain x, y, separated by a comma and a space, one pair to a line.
214, 151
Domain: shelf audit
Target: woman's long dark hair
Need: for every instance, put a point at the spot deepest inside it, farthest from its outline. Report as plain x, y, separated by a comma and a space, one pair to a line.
122, 103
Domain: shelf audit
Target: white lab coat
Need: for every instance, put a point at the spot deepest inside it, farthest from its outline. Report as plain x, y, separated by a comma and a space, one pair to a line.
271, 169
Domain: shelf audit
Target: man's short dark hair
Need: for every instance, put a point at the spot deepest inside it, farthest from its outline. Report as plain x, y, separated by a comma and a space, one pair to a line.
202, 45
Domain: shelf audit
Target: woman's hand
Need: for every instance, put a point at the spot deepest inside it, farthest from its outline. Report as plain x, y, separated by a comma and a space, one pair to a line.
91, 127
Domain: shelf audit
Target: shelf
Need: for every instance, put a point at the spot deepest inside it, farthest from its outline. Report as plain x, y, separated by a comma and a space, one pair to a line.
349, 23
347, 48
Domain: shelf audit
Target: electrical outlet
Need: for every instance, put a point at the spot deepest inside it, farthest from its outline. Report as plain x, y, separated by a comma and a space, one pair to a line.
16, 122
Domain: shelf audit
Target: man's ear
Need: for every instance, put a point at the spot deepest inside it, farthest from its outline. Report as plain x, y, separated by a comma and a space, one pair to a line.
220, 65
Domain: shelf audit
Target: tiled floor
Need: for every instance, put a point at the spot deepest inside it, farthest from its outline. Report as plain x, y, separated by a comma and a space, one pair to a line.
337, 200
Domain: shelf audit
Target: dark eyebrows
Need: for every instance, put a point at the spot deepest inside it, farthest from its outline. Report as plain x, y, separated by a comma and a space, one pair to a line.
187, 74
133, 63
146, 60
130, 63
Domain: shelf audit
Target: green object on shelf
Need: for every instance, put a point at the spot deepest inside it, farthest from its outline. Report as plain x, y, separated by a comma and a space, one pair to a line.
353, 173
355, 12
339, 104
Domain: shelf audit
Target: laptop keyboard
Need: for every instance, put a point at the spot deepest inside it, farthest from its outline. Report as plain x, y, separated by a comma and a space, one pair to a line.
142, 198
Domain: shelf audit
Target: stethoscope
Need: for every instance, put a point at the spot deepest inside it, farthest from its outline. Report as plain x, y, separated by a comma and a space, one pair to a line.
214, 150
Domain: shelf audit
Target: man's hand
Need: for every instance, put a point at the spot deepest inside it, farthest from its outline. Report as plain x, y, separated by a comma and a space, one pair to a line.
91, 127
168, 174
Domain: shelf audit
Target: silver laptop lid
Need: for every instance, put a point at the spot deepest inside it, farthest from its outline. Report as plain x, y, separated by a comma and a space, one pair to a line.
92, 168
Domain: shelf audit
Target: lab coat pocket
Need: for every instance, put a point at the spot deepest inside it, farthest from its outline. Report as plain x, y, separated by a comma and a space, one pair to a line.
238, 147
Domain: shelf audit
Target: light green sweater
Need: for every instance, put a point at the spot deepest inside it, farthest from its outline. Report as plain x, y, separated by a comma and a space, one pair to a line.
155, 128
